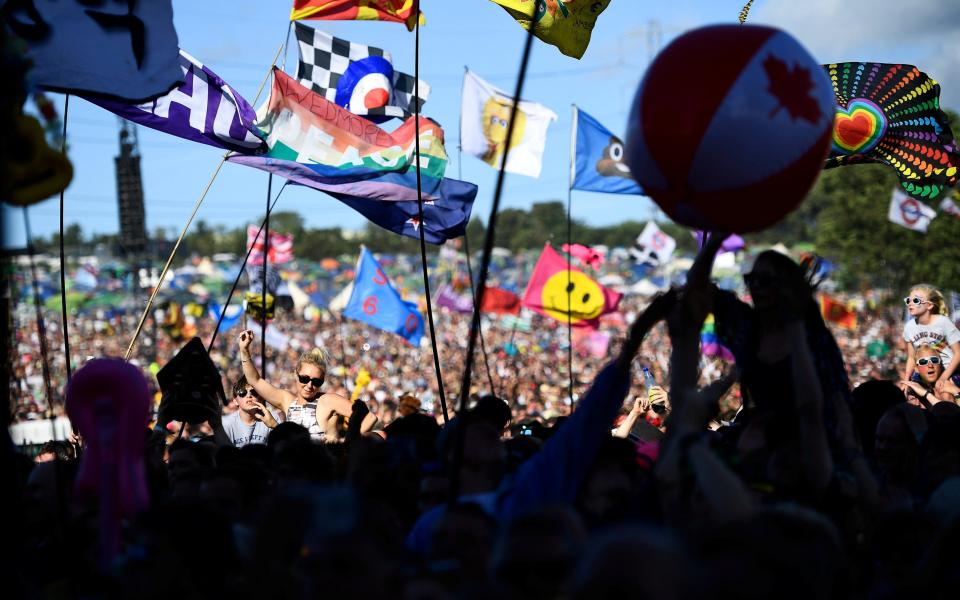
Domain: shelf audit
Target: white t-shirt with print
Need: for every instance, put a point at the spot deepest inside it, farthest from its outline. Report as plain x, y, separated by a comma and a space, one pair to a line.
940, 333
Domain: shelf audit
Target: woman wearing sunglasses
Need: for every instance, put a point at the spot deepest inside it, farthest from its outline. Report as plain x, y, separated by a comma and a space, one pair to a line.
308, 406
929, 368
929, 325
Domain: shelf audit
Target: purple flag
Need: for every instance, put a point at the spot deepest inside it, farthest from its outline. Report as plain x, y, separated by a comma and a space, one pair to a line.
204, 109
461, 303
733, 243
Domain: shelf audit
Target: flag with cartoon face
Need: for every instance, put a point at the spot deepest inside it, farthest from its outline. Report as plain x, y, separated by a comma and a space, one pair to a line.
555, 292
598, 163
485, 119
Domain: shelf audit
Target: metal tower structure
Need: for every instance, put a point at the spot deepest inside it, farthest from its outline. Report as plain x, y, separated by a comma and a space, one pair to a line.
133, 231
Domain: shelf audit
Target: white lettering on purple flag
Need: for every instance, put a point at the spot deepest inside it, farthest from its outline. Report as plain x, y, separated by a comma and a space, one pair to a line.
204, 109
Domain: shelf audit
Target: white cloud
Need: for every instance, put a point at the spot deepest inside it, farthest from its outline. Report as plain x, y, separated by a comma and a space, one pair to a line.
925, 33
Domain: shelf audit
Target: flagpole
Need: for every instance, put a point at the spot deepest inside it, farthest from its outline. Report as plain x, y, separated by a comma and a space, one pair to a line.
573, 152
263, 290
423, 242
466, 243
243, 265
485, 262
41, 329
63, 268
186, 227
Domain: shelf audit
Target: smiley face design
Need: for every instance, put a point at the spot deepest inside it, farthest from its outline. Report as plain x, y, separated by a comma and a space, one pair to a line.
611, 163
586, 297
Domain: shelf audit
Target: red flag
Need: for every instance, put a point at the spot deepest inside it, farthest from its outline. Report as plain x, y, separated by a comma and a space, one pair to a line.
837, 312
402, 11
500, 301
281, 246
547, 293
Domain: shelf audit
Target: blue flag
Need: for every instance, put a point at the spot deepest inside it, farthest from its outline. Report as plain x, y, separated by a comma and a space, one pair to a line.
376, 302
388, 199
230, 319
599, 165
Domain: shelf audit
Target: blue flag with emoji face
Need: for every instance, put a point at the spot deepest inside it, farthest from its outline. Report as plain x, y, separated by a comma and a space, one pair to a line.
599, 165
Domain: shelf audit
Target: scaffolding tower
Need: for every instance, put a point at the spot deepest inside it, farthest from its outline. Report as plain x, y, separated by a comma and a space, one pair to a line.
133, 231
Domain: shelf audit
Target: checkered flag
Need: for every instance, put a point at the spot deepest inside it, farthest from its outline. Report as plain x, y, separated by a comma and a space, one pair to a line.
357, 77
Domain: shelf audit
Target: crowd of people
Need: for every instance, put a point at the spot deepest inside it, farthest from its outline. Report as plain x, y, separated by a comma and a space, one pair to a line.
819, 463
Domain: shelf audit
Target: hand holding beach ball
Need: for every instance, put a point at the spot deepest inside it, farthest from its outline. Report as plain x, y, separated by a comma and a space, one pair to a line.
730, 127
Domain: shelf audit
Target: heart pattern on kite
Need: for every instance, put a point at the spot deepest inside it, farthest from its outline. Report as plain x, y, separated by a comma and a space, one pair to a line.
858, 127
890, 114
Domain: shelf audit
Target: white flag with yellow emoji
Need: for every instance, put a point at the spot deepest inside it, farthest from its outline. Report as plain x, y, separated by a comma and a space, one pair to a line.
484, 119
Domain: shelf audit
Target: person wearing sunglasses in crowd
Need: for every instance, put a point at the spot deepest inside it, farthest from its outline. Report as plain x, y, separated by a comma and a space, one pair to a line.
308, 407
929, 368
929, 325
252, 422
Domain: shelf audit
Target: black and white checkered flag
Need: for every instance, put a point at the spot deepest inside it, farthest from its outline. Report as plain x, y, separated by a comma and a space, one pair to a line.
357, 77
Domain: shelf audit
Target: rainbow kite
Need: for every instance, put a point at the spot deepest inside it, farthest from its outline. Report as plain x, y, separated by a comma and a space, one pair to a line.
890, 114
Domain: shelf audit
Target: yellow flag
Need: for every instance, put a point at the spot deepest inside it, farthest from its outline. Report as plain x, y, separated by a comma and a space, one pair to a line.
566, 24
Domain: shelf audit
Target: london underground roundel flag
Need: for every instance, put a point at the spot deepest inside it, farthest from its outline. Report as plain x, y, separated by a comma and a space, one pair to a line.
730, 127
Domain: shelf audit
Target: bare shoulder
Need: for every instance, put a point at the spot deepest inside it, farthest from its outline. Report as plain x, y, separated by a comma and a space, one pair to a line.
330, 398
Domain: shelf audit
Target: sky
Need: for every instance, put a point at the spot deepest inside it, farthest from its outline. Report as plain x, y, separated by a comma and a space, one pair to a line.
237, 39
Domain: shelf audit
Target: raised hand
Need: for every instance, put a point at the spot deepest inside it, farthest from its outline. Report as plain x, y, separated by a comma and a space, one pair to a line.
244, 340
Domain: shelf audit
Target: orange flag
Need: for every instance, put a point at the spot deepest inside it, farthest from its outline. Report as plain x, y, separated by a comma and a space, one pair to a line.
396, 11
547, 292
837, 312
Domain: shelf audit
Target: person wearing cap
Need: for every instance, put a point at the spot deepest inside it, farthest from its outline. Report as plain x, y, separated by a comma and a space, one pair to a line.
252, 422
311, 408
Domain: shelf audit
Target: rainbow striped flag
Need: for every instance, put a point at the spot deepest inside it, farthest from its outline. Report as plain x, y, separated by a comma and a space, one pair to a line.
393, 11
710, 344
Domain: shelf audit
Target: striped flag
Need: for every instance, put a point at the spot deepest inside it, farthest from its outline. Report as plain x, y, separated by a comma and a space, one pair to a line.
396, 11
281, 246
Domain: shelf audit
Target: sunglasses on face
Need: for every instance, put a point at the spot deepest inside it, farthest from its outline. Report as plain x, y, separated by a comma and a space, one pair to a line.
915, 300
243, 393
316, 381
934, 360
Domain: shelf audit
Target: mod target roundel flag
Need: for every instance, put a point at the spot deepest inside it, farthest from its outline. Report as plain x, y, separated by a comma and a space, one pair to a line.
366, 84
357, 77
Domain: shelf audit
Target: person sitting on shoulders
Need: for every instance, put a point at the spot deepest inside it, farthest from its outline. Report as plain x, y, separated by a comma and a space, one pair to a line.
929, 325
311, 408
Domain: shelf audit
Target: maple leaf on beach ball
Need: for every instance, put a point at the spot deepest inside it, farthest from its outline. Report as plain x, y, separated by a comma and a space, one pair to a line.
792, 87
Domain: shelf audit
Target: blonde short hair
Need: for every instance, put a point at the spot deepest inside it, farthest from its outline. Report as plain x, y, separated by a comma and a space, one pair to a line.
315, 357
933, 296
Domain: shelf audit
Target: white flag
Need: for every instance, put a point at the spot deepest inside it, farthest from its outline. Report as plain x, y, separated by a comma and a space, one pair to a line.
910, 212
950, 207
658, 242
484, 117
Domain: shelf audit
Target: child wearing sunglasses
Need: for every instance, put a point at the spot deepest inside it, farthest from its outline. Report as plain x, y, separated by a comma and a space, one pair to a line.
929, 325
922, 391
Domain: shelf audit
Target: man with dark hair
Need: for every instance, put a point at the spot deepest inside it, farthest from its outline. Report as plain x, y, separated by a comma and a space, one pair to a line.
252, 421
56, 450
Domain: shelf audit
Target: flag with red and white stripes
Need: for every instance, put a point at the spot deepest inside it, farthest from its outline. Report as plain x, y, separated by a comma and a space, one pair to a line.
281, 246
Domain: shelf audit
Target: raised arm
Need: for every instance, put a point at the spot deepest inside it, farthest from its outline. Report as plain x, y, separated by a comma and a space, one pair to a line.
276, 397
555, 473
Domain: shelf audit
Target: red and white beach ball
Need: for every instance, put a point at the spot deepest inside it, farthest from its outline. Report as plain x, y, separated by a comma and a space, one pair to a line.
730, 127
